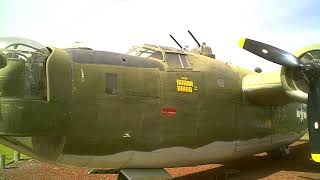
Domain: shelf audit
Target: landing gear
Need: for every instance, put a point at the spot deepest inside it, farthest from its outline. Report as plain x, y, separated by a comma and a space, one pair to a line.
279, 153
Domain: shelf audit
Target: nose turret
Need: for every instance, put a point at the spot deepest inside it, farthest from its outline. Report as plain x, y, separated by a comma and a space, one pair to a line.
29, 123
22, 64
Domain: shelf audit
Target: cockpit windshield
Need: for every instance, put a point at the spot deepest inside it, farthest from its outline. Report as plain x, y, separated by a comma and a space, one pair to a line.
146, 53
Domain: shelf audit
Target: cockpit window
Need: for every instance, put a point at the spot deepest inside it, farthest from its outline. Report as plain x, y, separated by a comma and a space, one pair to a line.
184, 61
146, 53
176, 60
173, 60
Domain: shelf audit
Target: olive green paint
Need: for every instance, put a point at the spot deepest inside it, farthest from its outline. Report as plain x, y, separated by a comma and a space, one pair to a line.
74, 115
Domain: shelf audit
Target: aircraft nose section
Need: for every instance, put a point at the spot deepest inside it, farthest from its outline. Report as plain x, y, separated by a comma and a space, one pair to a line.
22, 83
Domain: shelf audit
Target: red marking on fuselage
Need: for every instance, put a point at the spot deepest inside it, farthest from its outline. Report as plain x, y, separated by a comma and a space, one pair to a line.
169, 111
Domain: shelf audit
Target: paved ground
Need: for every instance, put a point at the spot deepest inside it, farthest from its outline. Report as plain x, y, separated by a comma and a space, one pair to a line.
296, 166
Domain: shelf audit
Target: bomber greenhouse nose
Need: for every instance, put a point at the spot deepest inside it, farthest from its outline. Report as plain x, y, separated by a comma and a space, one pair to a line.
22, 69
23, 88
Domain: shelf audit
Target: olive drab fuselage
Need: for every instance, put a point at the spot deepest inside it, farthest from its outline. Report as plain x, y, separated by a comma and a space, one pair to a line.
102, 109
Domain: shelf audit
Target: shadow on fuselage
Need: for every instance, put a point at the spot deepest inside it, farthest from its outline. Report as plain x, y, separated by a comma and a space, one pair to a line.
298, 164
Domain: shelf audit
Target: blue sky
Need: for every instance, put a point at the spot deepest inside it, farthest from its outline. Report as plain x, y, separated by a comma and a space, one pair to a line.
115, 25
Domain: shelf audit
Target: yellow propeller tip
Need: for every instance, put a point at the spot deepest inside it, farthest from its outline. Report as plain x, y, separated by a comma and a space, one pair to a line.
241, 42
316, 157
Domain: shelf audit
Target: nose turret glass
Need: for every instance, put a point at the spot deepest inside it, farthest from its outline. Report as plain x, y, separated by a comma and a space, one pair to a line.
23, 75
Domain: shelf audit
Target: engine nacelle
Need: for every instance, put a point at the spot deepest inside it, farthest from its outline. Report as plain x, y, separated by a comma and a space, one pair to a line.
293, 80
279, 88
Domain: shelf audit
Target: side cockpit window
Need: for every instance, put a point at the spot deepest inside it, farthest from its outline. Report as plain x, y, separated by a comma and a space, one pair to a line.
184, 61
176, 60
146, 53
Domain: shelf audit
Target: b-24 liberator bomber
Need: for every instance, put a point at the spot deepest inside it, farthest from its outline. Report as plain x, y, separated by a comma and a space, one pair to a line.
155, 106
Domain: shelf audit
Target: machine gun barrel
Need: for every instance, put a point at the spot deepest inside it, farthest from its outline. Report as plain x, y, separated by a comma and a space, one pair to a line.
194, 38
176, 41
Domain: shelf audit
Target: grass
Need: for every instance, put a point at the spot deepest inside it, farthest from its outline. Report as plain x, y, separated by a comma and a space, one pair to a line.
9, 153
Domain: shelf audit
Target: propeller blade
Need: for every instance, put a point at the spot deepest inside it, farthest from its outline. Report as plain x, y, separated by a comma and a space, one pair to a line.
313, 114
270, 53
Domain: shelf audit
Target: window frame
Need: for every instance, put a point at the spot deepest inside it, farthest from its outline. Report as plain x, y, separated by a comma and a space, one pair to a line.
142, 50
182, 66
187, 62
114, 90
